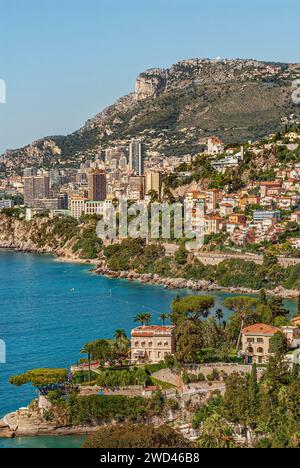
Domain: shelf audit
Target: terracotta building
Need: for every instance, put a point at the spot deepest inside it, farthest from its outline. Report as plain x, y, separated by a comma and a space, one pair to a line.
256, 341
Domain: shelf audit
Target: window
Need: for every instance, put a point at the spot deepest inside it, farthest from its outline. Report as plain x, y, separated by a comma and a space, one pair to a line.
166, 343
260, 360
260, 340
250, 340
136, 343
260, 350
150, 344
250, 350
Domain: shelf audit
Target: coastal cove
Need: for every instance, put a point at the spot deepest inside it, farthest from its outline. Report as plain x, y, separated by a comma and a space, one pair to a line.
50, 309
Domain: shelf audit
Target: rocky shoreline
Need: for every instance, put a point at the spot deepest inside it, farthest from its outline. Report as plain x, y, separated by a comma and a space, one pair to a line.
194, 285
20, 237
151, 279
25, 423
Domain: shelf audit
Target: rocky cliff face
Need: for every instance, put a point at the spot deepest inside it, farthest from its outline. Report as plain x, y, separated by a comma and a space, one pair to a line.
30, 237
19, 234
172, 109
202, 71
39, 153
150, 84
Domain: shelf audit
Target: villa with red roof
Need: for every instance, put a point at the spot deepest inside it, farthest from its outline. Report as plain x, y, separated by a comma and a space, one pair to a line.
151, 344
256, 341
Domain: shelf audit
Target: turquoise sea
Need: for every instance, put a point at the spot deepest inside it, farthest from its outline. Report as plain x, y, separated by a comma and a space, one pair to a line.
49, 310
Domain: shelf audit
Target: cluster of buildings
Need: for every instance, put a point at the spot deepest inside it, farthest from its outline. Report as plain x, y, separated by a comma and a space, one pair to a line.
152, 344
117, 172
252, 215
123, 171
259, 212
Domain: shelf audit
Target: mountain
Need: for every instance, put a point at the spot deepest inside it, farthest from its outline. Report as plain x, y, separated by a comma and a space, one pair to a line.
171, 110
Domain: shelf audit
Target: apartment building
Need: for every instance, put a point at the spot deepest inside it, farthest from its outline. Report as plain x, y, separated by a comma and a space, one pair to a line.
154, 182
97, 185
78, 207
213, 224
36, 188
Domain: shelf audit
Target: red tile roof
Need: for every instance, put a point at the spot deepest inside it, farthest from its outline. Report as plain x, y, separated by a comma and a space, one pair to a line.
261, 329
152, 330
271, 184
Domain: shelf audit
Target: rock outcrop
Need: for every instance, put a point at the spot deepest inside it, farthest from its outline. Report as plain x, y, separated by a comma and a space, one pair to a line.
5, 431
182, 283
36, 236
151, 83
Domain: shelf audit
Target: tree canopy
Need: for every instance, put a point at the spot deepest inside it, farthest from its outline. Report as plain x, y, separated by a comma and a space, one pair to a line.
137, 436
191, 307
40, 377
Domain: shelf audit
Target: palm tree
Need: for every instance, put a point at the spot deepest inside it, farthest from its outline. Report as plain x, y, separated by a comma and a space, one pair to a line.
216, 432
88, 349
164, 318
143, 319
121, 343
120, 335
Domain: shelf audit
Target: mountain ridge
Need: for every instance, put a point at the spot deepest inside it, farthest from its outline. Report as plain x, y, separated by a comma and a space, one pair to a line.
172, 109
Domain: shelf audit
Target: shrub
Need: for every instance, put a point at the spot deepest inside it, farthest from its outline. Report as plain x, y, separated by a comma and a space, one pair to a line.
201, 377
173, 404
100, 409
264, 443
186, 378
152, 368
214, 376
123, 378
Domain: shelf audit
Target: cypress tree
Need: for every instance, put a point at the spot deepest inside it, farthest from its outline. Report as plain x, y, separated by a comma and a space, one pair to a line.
253, 393
295, 372
263, 300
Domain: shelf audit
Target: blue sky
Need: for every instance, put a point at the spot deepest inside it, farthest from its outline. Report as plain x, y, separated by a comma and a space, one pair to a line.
65, 60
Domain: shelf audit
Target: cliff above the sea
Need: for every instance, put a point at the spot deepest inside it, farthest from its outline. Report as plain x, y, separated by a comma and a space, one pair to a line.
43, 235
